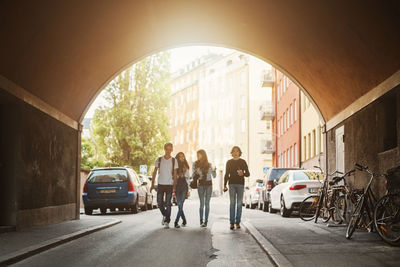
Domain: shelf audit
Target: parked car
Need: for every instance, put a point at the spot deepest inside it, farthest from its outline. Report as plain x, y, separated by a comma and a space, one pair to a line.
252, 194
272, 175
292, 188
111, 188
152, 196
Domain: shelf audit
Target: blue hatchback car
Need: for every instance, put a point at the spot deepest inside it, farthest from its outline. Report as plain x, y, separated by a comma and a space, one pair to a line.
114, 188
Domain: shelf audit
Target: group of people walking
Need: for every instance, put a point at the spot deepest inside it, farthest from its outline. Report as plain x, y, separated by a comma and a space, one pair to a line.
174, 177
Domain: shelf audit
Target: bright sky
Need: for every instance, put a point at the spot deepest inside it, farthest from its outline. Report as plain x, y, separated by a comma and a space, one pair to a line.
179, 58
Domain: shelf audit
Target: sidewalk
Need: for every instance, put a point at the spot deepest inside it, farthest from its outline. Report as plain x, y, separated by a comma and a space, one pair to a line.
309, 244
15, 246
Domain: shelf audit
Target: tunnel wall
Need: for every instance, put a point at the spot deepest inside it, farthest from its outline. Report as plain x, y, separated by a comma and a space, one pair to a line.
38, 160
372, 138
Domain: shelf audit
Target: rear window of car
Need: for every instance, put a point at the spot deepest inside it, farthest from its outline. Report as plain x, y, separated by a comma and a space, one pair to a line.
303, 176
276, 174
108, 176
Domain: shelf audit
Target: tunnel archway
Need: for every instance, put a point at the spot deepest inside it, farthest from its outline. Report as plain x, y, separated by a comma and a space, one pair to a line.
56, 56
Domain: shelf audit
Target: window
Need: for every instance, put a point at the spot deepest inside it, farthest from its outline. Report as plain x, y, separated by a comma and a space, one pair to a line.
176, 139
295, 154
242, 101
305, 148
291, 156
193, 115
243, 126
284, 122
287, 119
291, 114
279, 128
194, 135
309, 146
284, 159
314, 150
187, 137
295, 110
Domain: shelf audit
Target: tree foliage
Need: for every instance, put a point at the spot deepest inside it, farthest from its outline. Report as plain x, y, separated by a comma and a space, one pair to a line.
133, 126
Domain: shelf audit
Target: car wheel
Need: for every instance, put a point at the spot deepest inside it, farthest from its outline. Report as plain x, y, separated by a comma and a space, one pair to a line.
270, 209
135, 207
252, 206
284, 211
103, 211
88, 211
260, 205
265, 206
150, 206
113, 209
144, 208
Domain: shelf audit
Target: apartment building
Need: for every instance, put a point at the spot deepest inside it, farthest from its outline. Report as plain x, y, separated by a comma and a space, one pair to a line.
184, 109
230, 97
287, 122
312, 141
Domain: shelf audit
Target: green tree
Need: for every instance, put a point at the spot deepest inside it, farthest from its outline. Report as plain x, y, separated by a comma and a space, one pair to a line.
88, 160
133, 126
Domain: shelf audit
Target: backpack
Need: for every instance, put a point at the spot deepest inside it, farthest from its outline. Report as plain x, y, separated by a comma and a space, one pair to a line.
159, 164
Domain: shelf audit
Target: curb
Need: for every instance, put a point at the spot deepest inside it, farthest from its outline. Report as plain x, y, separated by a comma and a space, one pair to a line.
278, 258
22, 254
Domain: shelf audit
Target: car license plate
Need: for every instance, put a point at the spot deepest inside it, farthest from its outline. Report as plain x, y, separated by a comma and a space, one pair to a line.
313, 190
107, 191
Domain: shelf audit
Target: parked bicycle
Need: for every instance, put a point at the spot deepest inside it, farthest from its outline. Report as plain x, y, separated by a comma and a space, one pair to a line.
316, 206
363, 211
387, 210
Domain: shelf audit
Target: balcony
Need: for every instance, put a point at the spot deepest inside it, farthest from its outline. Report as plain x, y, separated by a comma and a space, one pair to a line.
267, 111
268, 79
267, 147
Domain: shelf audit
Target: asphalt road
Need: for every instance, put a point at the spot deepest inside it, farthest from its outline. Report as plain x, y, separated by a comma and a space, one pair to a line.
141, 240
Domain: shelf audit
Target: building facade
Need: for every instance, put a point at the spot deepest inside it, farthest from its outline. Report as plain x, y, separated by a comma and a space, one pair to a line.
184, 110
215, 105
230, 95
287, 122
312, 140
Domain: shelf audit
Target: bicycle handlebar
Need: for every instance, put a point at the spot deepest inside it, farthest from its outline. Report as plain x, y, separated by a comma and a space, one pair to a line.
360, 167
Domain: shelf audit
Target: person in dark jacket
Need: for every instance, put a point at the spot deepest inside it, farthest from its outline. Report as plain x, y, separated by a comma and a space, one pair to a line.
235, 171
181, 187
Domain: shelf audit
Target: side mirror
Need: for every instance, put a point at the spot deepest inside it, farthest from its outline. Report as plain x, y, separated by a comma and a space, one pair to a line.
247, 188
276, 182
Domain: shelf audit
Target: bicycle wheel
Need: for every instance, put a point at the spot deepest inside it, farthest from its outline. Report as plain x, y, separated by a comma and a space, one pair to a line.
319, 206
387, 219
325, 212
355, 218
340, 209
308, 208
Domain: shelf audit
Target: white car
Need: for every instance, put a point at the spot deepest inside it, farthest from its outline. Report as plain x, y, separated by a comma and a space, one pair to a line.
292, 188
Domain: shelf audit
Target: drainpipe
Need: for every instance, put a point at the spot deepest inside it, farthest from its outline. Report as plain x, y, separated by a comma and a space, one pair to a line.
78, 172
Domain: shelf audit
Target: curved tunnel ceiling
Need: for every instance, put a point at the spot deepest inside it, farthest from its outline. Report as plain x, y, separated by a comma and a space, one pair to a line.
64, 52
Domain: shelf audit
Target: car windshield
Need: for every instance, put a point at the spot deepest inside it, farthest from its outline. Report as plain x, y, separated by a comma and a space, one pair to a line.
108, 176
276, 174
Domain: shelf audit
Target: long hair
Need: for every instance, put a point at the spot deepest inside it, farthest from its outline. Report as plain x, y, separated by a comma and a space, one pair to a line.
181, 164
203, 164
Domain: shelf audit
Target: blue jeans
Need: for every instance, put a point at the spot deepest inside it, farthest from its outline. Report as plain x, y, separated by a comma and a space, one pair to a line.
164, 206
180, 199
205, 196
236, 200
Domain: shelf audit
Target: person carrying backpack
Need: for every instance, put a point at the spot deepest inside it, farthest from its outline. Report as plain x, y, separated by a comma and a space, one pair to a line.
166, 168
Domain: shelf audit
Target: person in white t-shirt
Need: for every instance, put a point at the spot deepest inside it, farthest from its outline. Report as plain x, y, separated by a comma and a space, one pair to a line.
166, 167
